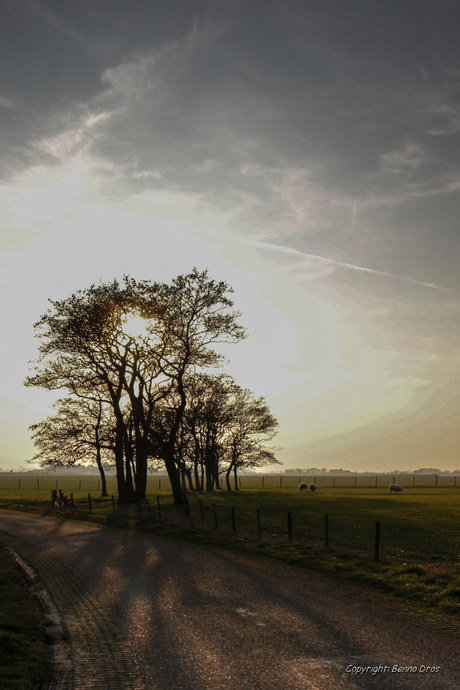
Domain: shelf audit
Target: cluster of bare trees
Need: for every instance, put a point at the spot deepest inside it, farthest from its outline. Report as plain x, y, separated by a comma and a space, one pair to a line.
134, 359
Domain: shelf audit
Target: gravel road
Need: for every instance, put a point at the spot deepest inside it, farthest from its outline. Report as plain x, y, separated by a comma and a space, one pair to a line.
179, 617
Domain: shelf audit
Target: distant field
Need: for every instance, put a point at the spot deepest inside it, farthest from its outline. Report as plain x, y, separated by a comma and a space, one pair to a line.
424, 517
74, 483
419, 541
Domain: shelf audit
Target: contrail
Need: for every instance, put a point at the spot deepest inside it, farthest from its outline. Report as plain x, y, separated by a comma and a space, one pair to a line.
280, 249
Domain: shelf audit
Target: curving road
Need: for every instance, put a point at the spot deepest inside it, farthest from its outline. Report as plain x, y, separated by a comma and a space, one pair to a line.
200, 620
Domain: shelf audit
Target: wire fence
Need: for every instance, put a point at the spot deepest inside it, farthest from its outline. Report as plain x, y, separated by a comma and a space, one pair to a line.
369, 538
372, 539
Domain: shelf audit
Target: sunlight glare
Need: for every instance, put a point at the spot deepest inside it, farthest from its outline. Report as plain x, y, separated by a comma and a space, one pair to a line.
135, 326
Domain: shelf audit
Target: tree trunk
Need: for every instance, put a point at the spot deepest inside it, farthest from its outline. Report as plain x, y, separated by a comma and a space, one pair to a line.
100, 467
235, 478
130, 493
141, 466
174, 477
182, 472
196, 464
198, 485
141, 476
120, 462
188, 472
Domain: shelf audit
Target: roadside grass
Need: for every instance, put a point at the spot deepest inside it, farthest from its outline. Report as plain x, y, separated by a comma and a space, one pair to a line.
22, 648
419, 549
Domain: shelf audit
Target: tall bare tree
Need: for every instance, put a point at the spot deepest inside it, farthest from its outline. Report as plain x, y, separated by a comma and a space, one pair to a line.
225, 428
81, 431
252, 427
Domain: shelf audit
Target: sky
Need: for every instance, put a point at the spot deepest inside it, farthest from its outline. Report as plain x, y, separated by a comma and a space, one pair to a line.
305, 151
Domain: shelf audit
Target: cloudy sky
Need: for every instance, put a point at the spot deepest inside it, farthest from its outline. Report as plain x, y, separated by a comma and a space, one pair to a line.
306, 151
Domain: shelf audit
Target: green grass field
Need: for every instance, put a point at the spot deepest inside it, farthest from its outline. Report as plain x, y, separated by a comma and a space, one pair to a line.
419, 543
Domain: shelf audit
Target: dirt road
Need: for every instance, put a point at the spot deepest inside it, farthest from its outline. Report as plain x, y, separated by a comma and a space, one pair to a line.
183, 618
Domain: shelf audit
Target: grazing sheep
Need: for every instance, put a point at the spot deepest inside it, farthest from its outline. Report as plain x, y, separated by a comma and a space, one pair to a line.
312, 487
302, 486
395, 488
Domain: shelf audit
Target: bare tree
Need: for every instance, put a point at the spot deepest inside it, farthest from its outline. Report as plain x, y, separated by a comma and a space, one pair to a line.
252, 426
81, 431
225, 429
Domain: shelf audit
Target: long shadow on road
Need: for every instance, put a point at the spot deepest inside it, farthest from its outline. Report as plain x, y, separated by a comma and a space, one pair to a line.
196, 619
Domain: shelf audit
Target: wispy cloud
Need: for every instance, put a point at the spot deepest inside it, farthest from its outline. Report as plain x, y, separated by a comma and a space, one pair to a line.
76, 139
166, 122
409, 157
55, 20
449, 117
8, 103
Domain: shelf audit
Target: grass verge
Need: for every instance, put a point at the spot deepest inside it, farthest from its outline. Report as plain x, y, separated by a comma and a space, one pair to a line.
23, 658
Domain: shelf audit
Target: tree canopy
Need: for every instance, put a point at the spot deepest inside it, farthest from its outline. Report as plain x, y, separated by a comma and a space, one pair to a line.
138, 351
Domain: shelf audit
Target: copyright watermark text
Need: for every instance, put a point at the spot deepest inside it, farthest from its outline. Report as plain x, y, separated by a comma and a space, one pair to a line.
374, 669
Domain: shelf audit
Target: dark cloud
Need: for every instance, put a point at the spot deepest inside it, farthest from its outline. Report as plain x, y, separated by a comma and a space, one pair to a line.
330, 126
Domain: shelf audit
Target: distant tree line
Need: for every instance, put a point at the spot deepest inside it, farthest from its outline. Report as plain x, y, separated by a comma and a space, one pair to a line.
312, 471
135, 360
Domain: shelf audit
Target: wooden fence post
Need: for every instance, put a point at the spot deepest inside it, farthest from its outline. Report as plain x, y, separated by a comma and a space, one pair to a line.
377, 541
89, 502
326, 531
19, 483
289, 526
38, 483
71, 502
436, 480
263, 482
281, 482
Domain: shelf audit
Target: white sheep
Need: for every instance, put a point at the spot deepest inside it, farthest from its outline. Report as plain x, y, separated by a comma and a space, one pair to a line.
302, 486
312, 487
395, 488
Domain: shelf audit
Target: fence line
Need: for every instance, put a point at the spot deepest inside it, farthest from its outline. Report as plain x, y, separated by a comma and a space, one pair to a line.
373, 539
248, 482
